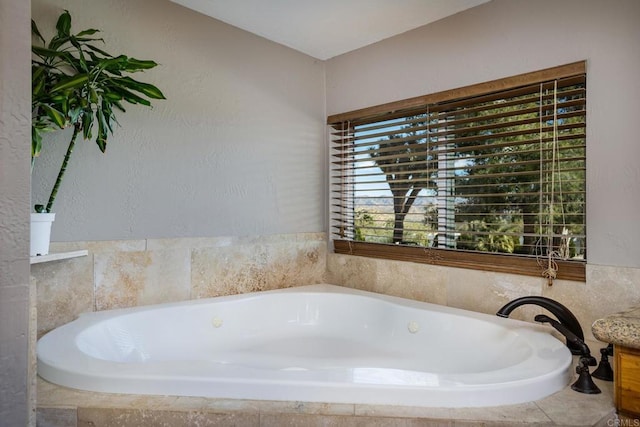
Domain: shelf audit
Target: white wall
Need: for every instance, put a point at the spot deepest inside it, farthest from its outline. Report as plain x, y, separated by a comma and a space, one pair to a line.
238, 147
508, 37
16, 396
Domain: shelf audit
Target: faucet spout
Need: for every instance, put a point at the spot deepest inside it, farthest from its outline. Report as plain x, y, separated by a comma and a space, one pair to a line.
562, 313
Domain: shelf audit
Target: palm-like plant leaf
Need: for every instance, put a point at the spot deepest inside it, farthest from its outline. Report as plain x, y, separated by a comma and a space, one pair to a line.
35, 31
76, 84
64, 24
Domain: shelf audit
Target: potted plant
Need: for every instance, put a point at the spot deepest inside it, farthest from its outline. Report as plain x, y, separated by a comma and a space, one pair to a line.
77, 85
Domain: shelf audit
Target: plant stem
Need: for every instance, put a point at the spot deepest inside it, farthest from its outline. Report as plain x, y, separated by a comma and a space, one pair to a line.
63, 168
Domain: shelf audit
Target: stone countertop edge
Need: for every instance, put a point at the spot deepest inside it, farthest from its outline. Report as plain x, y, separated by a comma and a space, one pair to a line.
621, 328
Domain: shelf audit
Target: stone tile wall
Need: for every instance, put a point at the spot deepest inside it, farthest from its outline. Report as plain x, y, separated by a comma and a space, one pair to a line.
118, 274
607, 289
127, 273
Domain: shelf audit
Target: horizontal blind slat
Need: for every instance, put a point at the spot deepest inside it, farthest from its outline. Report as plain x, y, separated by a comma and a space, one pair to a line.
470, 169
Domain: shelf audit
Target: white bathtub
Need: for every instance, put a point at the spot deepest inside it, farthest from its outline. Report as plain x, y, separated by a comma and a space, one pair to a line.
319, 343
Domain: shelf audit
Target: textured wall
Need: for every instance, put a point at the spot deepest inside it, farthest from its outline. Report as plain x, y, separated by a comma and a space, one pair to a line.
16, 396
508, 37
236, 149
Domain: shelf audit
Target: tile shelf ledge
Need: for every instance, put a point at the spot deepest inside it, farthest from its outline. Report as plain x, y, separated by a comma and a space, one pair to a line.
58, 256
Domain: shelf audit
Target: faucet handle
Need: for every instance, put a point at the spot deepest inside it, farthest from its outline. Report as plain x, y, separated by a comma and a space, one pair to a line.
584, 383
604, 371
575, 344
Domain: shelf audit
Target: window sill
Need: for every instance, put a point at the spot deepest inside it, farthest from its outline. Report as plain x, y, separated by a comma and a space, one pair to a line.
503, 263
58, 256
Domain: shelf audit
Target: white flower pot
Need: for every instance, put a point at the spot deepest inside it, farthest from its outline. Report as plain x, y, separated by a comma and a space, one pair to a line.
41, 233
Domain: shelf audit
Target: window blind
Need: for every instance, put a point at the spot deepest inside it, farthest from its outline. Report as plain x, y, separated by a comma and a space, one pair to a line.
485, 172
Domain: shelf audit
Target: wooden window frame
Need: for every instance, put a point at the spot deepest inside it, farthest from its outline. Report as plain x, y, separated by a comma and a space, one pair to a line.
505, 263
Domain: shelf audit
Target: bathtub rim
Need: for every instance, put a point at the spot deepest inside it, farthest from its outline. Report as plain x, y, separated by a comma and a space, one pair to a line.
355, 394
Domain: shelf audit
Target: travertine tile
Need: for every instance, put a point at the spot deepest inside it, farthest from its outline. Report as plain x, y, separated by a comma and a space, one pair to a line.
351, 271
611, 419
126, 279
298, 420
169, 278
57, 417
487, 292
563, 408
513, 423
474, 290
421, 282
570, 408
64, 291
221, 405
310, 408
105, 417
258, 263
403, 411
295, 263
52, 395
526, 413
138, 272
227, 271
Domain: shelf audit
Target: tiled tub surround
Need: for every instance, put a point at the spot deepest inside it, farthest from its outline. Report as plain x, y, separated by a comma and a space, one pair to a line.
607, 289
64, 407
128, 273
151, 271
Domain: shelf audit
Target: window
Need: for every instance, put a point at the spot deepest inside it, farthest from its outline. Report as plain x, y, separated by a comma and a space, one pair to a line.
491, 176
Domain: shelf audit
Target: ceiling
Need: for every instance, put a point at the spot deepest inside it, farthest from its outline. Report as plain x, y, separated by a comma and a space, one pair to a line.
327, 28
